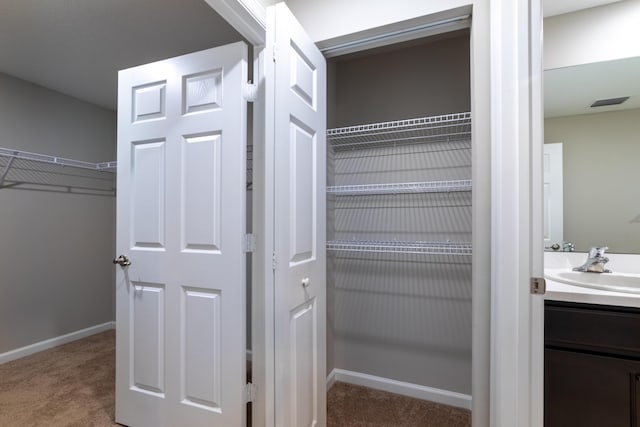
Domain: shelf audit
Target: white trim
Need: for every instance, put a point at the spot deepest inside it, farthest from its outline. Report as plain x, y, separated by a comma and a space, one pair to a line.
54, 342
445, 397
423, 26
481, 164
262, 294
331, 379
248, 17
512, 192
537, 216
399, 36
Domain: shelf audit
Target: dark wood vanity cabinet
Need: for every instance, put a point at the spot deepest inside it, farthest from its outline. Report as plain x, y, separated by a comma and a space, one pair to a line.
591, 366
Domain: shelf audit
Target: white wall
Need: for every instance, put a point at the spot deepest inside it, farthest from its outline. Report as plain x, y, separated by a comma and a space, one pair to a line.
55, 248
592, 35
600, 168
329, 19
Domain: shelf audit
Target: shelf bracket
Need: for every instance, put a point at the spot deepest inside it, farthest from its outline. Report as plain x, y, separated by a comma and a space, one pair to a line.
6, 171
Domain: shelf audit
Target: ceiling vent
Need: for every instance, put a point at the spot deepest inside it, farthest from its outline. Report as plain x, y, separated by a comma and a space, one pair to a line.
610, 101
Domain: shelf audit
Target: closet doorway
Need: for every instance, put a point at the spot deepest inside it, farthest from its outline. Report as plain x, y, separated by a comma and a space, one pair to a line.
399, 215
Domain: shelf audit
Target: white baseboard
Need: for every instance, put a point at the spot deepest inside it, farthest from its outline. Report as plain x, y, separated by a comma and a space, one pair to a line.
399, 387
54, 342
331, 379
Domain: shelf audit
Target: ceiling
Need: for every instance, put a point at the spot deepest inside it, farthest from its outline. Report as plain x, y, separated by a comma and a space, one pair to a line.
571, 90
76, 47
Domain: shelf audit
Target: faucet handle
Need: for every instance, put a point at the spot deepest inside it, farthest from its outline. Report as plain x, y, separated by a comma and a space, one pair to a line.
597, 251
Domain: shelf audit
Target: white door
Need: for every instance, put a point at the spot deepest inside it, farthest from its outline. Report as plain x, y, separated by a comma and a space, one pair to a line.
299, 126
180, 305
553, 197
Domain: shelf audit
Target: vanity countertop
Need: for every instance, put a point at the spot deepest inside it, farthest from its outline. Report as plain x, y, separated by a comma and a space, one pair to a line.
562, 292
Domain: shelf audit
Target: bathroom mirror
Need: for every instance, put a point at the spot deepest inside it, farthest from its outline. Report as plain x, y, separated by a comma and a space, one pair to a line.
592, 155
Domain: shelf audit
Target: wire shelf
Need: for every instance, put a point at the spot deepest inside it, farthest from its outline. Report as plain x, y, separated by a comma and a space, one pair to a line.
426, 248
51, 173
400, 188
448, 127
60, 161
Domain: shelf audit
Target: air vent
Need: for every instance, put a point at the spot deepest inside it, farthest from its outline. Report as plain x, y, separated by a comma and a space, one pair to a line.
610, 101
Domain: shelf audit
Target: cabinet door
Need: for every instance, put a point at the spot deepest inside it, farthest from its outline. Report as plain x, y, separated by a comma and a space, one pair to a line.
589, 390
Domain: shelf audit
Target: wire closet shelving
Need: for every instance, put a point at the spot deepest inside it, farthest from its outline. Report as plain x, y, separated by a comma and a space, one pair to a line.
400, 188
427, 248
444, 128
40, 171
441, 129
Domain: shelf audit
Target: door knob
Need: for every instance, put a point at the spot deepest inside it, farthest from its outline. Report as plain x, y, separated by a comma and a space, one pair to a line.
122, 260
305, 282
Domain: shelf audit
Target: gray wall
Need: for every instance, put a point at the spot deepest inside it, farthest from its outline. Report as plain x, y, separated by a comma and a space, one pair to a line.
425, 80
406, 318
55, 248
601, 176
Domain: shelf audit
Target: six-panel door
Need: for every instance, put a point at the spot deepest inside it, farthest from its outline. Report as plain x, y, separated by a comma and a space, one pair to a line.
181, 307
299, 120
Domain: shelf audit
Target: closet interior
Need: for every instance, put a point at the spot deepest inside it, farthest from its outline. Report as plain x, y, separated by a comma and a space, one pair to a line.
57, 189
399, 216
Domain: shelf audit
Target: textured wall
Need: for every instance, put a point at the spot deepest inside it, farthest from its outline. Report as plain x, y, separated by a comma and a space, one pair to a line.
55, 248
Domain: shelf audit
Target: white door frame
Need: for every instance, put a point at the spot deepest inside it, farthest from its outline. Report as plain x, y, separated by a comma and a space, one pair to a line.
247, 17
516, 183
536, 326
506, 49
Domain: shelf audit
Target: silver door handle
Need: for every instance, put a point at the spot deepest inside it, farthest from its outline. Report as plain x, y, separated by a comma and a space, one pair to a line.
122, 260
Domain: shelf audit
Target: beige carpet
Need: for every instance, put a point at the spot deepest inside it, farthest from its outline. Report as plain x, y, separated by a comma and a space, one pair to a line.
70, 385
353, 406
73, 386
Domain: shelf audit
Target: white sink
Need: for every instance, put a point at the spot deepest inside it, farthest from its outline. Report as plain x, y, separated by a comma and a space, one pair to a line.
616, 282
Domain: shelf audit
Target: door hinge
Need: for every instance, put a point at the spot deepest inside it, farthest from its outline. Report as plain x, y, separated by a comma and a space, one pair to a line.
249, 243
249, 392
274, 261
250, 92
538, 285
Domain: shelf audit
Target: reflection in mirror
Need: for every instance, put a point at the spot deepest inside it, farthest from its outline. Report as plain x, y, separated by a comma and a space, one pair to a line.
599, 152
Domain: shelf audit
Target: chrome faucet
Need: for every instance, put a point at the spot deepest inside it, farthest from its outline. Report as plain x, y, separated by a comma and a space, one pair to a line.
595, 261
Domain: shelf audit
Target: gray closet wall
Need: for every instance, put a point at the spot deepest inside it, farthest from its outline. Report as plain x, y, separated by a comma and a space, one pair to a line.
405, 317
55, 247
